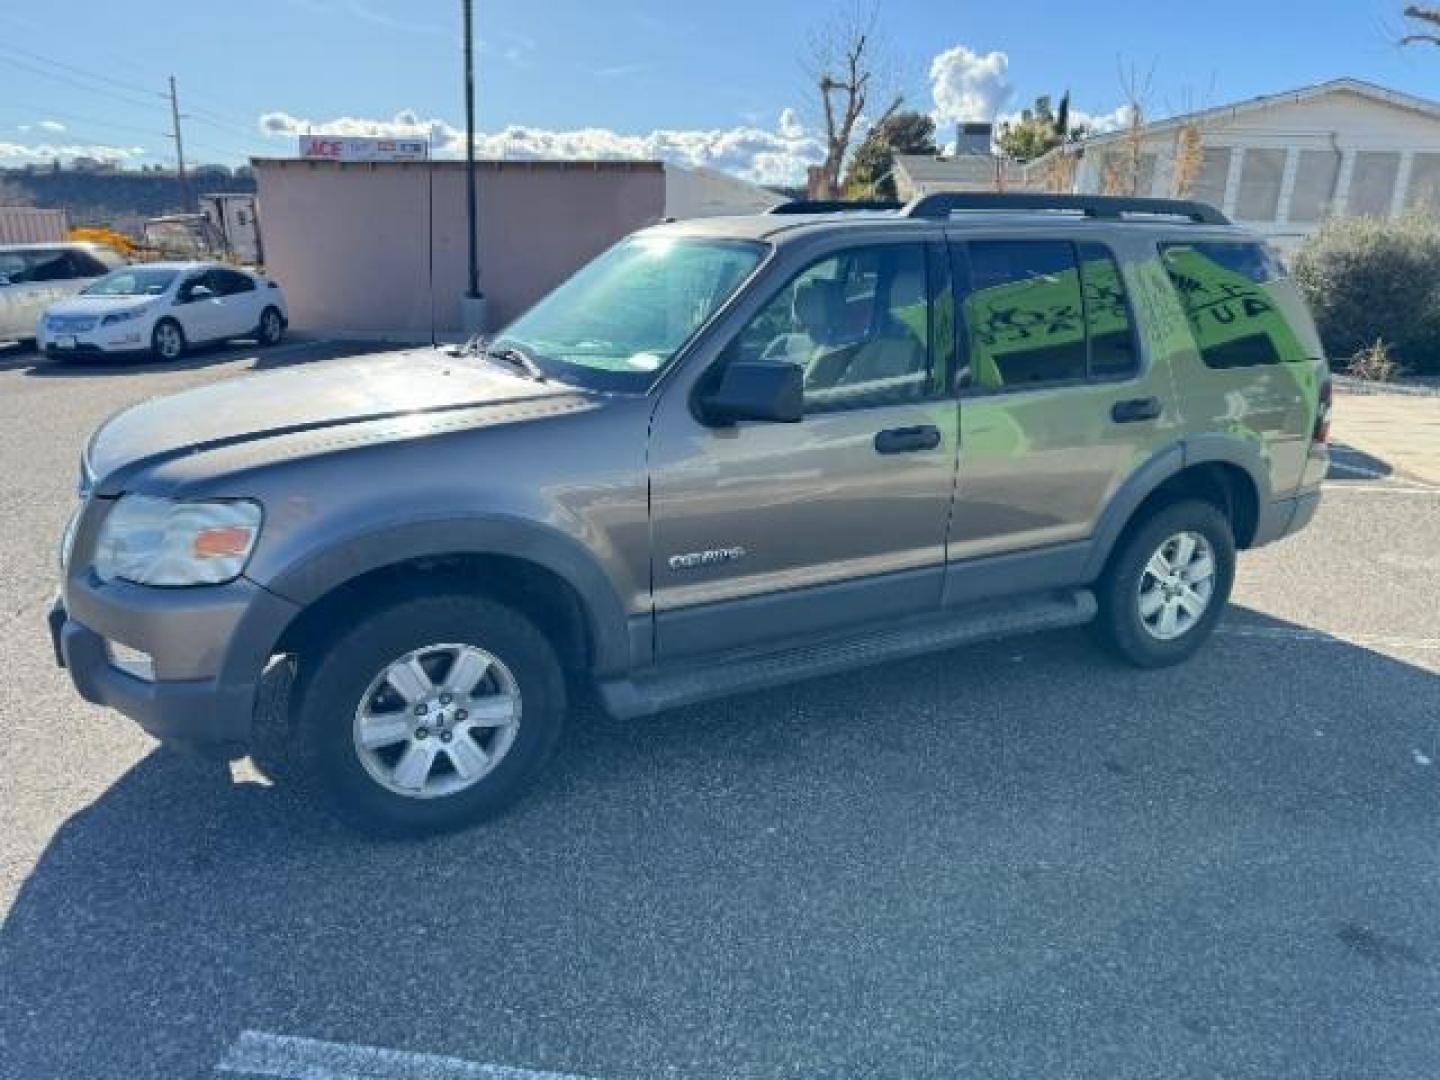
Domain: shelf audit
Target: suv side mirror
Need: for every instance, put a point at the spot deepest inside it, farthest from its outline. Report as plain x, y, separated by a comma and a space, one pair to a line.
757, 390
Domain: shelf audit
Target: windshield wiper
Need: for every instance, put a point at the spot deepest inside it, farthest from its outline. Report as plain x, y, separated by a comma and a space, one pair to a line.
518, 358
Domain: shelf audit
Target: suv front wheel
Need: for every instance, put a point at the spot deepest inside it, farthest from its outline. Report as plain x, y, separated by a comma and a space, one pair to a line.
431, 714
1167, 586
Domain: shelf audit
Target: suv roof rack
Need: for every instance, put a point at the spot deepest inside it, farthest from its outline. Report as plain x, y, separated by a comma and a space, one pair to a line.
832, 206
1114, 207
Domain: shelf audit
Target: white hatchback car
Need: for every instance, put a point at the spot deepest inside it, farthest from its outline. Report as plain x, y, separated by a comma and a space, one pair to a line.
164, 309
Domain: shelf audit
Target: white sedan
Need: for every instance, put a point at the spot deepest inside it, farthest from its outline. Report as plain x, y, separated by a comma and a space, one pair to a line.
164, 309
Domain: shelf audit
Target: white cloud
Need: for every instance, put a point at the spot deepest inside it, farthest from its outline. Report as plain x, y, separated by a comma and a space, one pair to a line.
765, 156
23, 152
51, 125
1114, 120
969, 86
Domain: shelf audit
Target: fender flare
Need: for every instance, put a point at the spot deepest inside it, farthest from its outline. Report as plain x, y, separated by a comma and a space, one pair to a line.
1166, 463
316, 575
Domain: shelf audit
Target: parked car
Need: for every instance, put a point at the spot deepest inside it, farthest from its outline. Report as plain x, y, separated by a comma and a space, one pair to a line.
727, 454
34, 276
164, 309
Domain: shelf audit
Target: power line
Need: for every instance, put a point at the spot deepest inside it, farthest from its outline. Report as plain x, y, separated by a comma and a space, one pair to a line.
135, 87
69, 81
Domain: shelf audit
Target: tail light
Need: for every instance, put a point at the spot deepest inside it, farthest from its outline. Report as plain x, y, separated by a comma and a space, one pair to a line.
1322, 411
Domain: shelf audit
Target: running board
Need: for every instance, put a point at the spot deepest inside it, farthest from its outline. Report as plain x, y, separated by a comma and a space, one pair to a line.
690, 682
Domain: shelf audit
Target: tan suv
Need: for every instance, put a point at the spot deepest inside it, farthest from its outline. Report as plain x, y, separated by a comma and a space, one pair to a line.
727, 454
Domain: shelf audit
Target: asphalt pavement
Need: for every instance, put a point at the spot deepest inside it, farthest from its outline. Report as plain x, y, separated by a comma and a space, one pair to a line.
1014, 860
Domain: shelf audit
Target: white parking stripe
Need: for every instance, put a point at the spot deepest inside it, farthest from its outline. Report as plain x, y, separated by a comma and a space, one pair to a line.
1285, 633
258, 1053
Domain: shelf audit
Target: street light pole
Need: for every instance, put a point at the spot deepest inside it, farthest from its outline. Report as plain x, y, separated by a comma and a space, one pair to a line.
473, 305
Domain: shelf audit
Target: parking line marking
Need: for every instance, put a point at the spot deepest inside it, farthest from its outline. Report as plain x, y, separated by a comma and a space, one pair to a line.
1285, 633
259, 1053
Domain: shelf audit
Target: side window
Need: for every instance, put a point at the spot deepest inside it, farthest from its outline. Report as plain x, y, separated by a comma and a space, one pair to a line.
1234, 321
86, 265
13, 267
188, 286
1024, 312
230, 282
1109, 323
857, 322
51, 265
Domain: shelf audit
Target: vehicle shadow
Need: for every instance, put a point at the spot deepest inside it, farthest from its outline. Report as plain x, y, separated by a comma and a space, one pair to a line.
986, 862
1349, 465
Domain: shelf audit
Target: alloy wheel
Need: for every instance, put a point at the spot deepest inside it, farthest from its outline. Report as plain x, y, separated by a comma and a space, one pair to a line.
1176, 585
437, 720
168, 341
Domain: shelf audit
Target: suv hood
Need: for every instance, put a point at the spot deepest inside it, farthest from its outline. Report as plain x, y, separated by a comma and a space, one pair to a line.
301, 399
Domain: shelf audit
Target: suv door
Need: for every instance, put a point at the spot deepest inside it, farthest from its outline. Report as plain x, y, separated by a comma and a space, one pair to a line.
772, 530
1057, 406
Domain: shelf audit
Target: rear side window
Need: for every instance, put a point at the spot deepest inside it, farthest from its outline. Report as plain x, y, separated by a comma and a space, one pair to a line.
230, 282
50, 265
87, 265
1235, 322
1040, 312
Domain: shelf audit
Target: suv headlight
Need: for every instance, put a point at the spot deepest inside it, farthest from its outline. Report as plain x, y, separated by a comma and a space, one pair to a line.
162, 542
122, 316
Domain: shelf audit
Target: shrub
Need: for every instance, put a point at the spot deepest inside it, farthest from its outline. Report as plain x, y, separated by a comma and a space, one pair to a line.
1369, 279
1374, 363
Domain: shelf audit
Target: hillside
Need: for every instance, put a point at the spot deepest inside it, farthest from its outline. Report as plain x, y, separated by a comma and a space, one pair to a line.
120, 198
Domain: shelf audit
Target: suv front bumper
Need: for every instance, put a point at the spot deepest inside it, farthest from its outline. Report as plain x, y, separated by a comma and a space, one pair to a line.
208, 649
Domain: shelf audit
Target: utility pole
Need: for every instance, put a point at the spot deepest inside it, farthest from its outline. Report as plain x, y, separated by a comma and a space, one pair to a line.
472, 308
179, 148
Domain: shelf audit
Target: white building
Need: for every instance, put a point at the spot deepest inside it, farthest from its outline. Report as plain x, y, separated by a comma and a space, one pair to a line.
1281, 163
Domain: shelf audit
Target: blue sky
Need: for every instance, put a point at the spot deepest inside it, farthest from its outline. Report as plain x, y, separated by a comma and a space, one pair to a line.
721, 83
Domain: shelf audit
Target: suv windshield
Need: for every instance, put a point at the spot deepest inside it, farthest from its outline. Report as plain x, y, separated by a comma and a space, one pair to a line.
618, 322
132, 281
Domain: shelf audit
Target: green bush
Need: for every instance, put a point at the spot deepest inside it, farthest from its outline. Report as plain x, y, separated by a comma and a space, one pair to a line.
1369, 279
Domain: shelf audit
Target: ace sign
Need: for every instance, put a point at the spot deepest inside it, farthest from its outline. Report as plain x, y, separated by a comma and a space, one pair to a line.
354, 148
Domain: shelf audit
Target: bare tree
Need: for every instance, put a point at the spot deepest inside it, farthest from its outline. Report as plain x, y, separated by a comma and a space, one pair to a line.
1122, 173
846, 66
1189, 160
1424, 16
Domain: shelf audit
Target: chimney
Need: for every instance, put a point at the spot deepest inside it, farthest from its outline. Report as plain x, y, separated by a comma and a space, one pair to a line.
972, 137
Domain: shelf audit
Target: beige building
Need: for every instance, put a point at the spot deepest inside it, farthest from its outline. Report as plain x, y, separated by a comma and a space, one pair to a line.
1284, 162
378, 248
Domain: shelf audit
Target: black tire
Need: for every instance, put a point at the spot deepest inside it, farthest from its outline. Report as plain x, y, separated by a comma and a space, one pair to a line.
333, 687
1120, 625
271, 327
159, 341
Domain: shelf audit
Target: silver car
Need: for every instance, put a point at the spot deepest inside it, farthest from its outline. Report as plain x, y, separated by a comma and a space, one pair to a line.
34, 276
727, 454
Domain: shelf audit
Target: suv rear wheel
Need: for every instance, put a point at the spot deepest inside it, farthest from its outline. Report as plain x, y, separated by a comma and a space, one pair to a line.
1167, 586
431, 714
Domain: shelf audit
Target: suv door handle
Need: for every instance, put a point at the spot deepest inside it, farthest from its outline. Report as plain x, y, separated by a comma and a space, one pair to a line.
1135, 410
905, 440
